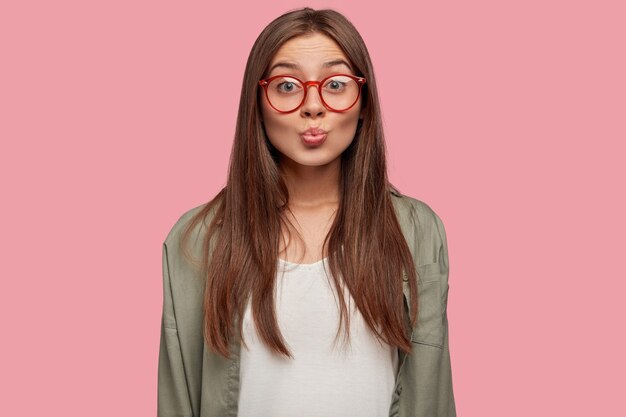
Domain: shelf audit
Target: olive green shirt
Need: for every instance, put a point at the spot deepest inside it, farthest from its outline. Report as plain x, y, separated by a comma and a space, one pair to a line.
194, 381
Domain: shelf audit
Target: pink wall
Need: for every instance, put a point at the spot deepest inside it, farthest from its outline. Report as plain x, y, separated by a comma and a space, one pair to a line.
118, 116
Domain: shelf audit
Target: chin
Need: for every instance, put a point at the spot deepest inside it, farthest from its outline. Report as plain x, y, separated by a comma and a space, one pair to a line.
309, 160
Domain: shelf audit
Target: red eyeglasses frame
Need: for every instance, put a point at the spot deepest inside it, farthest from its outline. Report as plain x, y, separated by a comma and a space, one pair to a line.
265, 82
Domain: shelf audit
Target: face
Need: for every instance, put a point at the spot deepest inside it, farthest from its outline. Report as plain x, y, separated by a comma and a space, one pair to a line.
306, 56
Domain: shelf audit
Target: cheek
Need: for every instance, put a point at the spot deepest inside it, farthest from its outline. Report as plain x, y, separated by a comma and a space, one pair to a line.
346, 126
279, 130
277, 127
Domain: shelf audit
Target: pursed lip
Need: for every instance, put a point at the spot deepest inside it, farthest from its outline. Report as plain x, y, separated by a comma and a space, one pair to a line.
314, 131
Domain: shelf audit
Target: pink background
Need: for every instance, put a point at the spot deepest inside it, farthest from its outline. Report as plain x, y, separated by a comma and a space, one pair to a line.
507, 118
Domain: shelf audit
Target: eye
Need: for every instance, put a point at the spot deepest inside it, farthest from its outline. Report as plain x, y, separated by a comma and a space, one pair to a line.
286, 85
336, 84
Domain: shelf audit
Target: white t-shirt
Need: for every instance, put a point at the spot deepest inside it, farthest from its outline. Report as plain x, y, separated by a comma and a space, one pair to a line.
323, 379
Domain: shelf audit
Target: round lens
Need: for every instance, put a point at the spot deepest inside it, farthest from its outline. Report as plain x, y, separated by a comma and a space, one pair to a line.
285, 93
340, 92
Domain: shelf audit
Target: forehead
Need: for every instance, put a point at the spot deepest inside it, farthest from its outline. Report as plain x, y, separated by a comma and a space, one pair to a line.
309, 53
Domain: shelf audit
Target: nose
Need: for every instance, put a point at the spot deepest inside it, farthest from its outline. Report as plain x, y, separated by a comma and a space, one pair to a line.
312, 105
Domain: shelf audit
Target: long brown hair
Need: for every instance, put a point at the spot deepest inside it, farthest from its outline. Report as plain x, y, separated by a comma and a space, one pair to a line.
367, 252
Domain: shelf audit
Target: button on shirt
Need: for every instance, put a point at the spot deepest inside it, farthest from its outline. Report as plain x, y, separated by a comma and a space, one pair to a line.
328, 375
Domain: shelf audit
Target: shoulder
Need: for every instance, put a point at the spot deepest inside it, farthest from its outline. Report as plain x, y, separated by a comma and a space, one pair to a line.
422, 212
184, 249
194, 224
179, 226
425, 223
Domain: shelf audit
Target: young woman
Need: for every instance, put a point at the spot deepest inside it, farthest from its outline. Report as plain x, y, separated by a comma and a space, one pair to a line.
307, 238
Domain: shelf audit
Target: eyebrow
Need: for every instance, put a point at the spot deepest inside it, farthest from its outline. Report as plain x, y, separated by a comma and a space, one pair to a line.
328, 64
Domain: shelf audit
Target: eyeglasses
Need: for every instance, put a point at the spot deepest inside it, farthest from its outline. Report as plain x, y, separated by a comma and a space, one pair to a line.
286, 93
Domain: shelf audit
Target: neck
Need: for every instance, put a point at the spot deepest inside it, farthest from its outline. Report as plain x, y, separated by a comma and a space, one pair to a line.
311, 186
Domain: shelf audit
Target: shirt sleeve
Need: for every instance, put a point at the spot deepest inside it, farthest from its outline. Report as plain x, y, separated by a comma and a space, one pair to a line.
446, 403
173, 392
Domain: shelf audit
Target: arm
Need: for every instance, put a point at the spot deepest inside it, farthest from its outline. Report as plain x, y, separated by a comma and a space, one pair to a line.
424, 384
446, 403
173, 393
